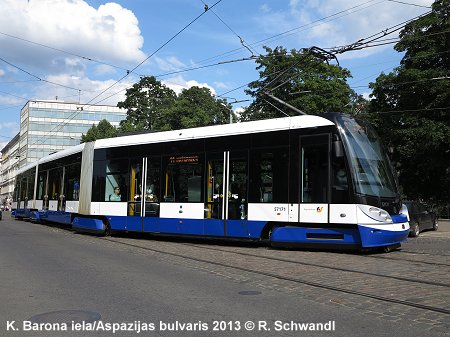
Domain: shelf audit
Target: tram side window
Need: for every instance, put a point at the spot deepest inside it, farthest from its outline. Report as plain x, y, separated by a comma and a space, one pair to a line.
54, 183
315, 172
339, 192
23, 188
16, 193
108, 175
269, 175
116, 186
183, 178
72, 182
42, 181
30, 188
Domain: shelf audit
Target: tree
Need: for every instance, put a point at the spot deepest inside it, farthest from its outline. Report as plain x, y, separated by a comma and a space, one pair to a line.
194, 107
104, 129
145, 101
411, 106
301, 79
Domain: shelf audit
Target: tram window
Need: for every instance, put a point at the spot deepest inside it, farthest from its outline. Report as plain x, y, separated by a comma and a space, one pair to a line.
339, 192
315, 171
237, 189
54, 183
269, 175
30, 188
152, 193
42, 181
16, 189
98, 180
136, 180
23, 188
183, 178
109, 174
72, 182
116, 177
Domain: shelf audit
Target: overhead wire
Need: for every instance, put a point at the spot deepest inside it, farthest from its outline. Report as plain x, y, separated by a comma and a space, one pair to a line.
408, 3
243, 43
62, 51
132, 70
371, 38
371, 2
35, 76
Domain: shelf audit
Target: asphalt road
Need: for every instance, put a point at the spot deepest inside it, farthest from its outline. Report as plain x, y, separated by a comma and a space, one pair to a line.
57, 276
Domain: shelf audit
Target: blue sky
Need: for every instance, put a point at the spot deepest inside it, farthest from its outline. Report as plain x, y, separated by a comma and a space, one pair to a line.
77, 49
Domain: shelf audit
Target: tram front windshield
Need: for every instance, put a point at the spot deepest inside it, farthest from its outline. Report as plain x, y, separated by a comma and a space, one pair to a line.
371, 169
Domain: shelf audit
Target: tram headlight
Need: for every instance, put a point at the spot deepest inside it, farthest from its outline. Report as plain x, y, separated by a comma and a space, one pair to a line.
376, 213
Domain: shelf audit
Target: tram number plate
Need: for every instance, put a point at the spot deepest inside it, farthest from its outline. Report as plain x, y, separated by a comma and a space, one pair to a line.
279, 209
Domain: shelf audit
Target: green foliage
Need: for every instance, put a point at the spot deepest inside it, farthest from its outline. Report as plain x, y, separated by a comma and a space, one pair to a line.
194, 107
127, 127
145, 101
411, 106
300, 79
152, 106
103, 130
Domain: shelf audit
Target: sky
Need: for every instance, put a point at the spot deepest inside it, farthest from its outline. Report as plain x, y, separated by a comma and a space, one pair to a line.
90, 51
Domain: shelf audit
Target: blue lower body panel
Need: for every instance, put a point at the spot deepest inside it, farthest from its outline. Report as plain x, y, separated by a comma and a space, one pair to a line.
319, 236
88, 225
374, 237
22, 213
59, 217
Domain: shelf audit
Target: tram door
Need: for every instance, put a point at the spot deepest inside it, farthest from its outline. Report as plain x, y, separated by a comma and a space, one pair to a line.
314, 178
226, 194
143, 203
215, 192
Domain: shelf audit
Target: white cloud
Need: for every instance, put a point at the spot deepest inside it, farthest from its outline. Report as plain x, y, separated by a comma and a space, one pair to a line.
11, 100
170, 63
104, 69
109, 32
2, 73
8, 129
90, 89
222, 85
337, 29
366, 95
178, 83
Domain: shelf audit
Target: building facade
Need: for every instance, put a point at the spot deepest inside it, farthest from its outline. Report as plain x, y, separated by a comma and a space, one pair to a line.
47, 127
50, 126
8, 166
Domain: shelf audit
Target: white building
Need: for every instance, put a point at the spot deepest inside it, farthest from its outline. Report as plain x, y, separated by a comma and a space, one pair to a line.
9, 164
50, 126
47, 127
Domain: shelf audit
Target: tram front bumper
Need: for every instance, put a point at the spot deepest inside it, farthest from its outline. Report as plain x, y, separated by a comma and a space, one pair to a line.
383, 235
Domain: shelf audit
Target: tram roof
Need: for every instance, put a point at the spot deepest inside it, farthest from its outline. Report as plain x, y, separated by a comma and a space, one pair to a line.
267, 125
54, 156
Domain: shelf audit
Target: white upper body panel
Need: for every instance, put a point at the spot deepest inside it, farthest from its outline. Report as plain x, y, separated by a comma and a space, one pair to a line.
297, 122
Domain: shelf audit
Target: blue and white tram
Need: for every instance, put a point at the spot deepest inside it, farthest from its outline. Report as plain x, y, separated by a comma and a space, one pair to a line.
305, 181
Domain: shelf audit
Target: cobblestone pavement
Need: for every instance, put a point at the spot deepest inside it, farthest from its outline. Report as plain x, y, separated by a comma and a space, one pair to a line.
410, 284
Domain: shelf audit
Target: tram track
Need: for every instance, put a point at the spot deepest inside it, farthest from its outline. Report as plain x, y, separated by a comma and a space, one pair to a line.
325, 266
410, 260
287, 278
